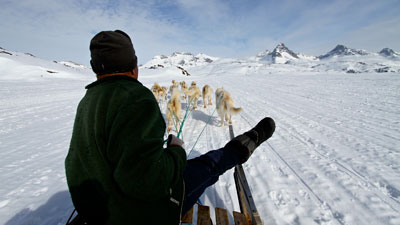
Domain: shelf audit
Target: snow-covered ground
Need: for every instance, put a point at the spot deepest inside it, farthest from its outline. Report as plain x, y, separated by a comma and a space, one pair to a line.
334, 158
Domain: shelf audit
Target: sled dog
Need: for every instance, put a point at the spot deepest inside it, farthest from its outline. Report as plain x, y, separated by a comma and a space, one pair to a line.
163, 94
156, 89
174, 110
184, 89
207, 92
225, 106
193, 93
173, 86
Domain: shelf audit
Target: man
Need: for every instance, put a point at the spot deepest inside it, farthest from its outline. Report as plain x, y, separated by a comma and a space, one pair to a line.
117, 169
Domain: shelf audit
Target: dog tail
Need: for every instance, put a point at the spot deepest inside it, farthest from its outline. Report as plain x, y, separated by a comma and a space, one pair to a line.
236, 110
190, 92
176, 103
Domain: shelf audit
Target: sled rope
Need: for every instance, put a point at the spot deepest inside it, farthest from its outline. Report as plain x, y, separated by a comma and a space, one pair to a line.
70, 217
209, 118
186, 114
176, 116
183, 121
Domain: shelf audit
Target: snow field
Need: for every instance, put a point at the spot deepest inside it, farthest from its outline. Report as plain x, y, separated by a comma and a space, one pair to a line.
334, 157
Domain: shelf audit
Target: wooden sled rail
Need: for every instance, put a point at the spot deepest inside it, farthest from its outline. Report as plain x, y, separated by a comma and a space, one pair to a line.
203, 217
248, 215
246, 201
221, 217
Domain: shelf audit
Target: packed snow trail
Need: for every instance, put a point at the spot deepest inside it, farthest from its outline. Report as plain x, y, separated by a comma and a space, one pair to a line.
332, 160
317, 155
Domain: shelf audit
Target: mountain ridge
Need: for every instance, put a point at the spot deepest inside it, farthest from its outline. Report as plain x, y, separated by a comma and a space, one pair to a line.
339, 59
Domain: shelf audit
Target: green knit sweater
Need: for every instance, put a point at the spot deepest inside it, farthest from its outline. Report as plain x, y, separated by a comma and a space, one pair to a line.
117, 169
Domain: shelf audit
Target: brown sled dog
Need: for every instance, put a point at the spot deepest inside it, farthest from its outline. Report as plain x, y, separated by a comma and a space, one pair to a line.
156, 89
173, 86
164, 93
225, 106
160, 93
174, 109
207, 92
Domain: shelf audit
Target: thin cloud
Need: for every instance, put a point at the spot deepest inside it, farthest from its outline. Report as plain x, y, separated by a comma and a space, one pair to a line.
61, 30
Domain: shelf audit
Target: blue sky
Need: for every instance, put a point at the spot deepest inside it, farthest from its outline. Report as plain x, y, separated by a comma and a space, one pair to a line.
62, 29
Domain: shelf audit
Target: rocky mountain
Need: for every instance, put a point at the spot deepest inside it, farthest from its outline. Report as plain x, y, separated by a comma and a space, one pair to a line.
281, 50
341, 50
181, 59
282, 55
341, 58
387, 52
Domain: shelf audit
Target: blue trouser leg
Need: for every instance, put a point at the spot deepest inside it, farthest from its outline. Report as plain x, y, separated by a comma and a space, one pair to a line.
204, 171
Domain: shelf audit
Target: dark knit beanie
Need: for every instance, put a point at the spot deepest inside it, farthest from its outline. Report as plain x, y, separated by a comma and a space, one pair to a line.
112, 52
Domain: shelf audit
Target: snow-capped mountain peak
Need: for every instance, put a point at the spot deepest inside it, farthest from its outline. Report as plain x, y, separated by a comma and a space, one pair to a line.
341, 50
281, 54
387, 52
182, 59
281, 49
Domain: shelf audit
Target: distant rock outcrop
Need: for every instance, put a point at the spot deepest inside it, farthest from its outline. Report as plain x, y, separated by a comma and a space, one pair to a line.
71, 64
30, 54
5, 52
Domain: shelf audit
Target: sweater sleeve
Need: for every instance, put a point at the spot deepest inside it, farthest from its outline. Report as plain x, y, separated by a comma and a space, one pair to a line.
142, 168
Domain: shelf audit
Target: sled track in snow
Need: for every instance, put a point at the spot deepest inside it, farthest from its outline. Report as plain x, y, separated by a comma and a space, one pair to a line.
301, 180
328, 146
209, 133
371, 126
329, 130
393, 202
390, 201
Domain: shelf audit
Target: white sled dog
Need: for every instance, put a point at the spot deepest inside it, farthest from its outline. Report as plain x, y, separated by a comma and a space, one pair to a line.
207, 92
193, 93
224, 104
174, 109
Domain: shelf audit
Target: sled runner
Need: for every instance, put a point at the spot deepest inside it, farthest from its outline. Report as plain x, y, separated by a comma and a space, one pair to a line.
246, 201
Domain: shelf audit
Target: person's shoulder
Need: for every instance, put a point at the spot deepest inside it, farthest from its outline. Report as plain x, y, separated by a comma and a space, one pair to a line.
136, 89
123, 86
114, 80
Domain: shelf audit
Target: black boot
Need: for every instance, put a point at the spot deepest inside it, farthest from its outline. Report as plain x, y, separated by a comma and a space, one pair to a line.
250, 140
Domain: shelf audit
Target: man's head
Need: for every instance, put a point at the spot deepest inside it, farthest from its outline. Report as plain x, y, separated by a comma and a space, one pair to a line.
112, 52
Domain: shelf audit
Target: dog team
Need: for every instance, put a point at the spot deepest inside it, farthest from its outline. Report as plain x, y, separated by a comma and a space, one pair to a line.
179, 90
